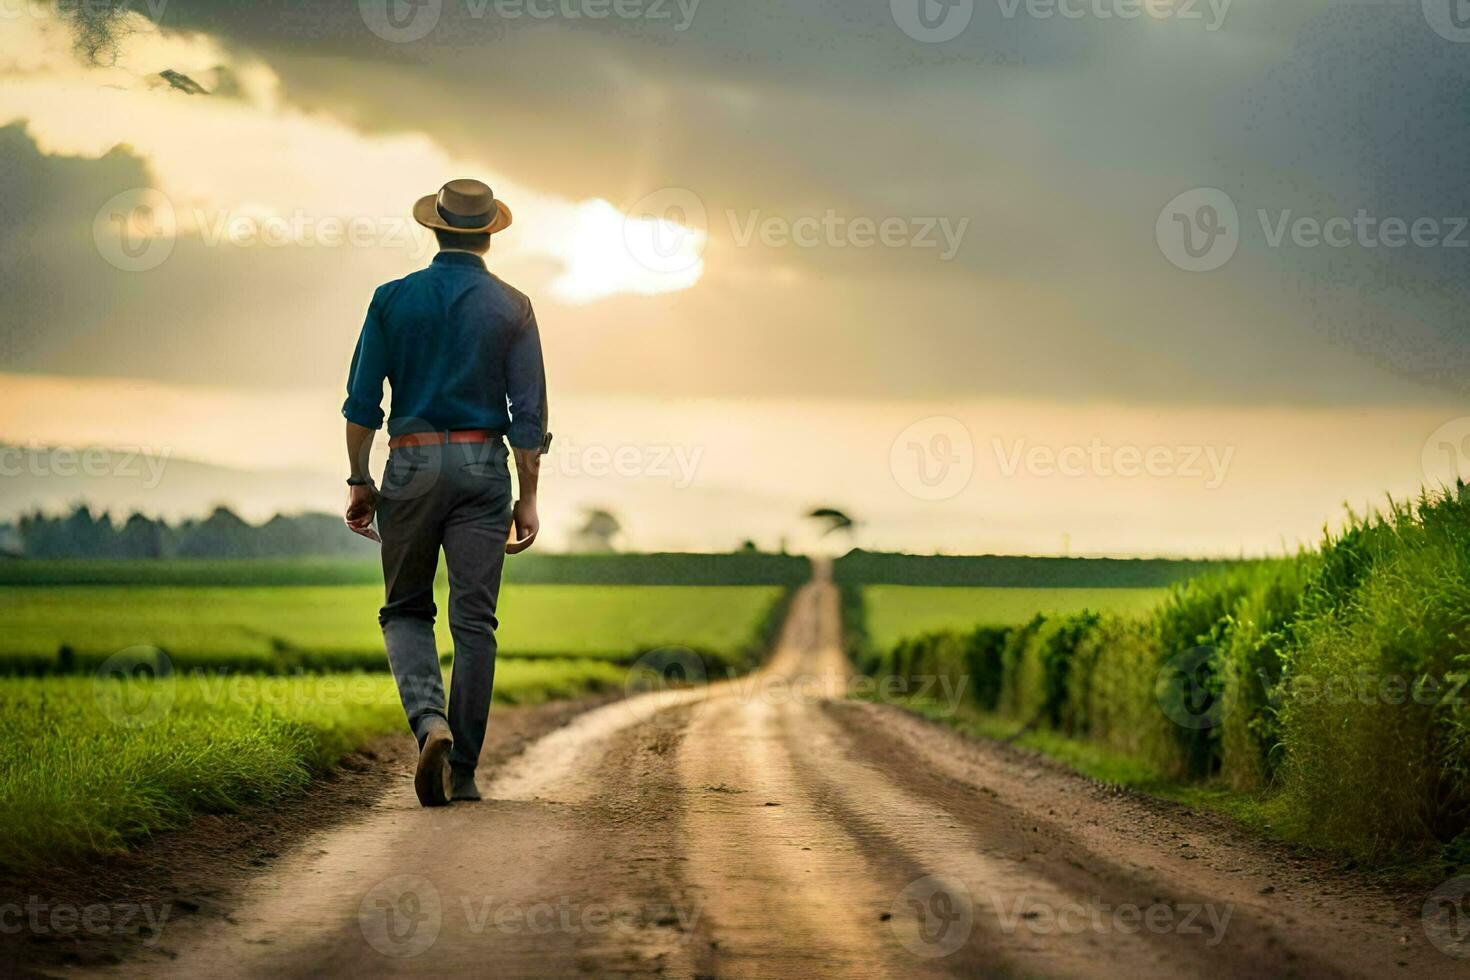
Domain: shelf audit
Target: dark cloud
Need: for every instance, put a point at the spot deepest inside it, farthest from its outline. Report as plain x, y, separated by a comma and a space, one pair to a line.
1058, 140
53, 296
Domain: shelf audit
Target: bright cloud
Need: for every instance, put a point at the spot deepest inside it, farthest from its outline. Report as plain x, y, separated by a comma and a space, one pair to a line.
219, 161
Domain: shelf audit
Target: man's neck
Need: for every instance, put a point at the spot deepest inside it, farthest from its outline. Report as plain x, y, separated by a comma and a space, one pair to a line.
462, 251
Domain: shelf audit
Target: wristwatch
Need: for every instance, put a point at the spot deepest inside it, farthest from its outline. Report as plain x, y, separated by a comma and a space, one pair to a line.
354, 481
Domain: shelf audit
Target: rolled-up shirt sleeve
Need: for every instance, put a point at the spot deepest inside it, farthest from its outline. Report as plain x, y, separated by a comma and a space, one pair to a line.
525, 386
364, 405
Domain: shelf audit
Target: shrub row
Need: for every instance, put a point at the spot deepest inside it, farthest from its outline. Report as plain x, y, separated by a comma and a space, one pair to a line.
1334, 682
860, 567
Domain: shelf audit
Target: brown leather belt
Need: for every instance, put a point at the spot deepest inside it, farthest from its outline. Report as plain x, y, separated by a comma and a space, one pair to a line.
444, 438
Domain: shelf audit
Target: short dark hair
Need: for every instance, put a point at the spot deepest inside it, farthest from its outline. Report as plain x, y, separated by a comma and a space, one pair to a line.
455, 239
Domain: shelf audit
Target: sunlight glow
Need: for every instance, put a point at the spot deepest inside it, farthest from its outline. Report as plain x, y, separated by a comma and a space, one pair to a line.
615, 253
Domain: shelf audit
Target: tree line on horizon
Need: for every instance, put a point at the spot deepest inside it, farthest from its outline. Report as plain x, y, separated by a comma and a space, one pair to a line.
83, 533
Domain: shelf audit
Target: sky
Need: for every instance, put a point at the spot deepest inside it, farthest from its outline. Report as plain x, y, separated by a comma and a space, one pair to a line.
1044, 276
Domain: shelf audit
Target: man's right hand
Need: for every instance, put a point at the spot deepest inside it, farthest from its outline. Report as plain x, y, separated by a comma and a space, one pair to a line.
362, 507
527, 523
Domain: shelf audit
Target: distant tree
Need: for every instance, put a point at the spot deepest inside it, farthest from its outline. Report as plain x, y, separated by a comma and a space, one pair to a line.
597, 534
12, 545
315, 535
223, 534
79, 534
88, 535
834, 519
142, 537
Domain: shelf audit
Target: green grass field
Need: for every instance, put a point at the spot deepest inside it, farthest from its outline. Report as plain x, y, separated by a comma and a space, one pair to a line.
896, 612
277, 629
88, 766
739, 568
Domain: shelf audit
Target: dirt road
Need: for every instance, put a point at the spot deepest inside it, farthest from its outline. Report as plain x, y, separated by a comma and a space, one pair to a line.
761, 829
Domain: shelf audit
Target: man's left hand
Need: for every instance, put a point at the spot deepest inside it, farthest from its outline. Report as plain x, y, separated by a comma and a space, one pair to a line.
362, 507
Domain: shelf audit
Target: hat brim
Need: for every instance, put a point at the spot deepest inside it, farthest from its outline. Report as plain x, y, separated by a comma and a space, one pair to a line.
426, 213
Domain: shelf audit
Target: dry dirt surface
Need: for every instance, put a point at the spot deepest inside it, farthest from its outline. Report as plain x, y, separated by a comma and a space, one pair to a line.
201, 870
768, 828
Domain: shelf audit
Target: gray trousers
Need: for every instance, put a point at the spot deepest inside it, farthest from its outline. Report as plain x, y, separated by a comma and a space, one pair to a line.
458, 497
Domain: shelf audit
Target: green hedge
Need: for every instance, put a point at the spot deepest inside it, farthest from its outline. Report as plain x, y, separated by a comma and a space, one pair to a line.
1335, 683
859, 567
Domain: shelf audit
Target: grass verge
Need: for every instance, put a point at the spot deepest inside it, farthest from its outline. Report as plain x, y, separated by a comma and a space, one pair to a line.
1261, 813
88, 766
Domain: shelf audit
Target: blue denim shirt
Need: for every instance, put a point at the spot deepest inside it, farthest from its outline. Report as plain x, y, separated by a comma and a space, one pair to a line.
461, 351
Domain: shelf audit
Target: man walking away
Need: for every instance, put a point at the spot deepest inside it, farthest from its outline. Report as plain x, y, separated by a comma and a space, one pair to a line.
462, 353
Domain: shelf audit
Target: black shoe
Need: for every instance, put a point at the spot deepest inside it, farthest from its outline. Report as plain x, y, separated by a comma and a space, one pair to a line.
462, 787
431, 781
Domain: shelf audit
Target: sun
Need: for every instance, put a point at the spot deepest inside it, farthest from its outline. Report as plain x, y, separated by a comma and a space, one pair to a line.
611, 252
